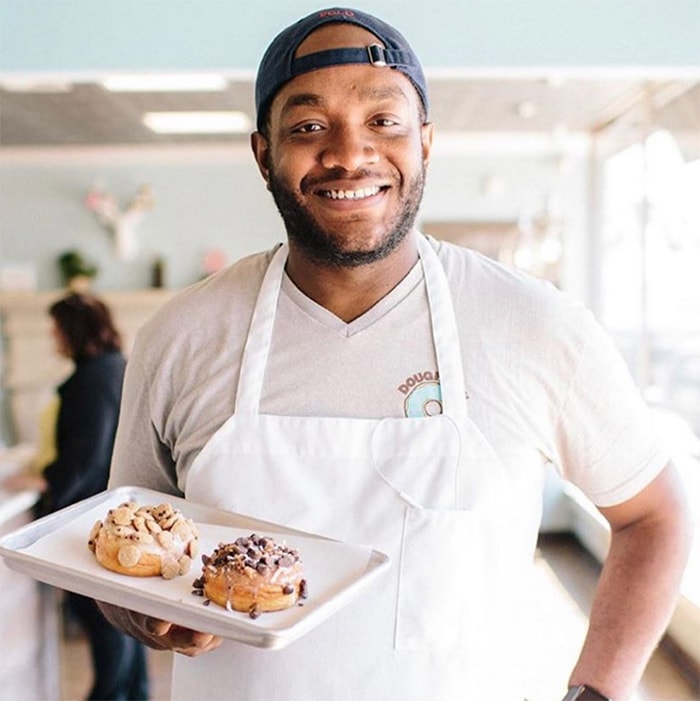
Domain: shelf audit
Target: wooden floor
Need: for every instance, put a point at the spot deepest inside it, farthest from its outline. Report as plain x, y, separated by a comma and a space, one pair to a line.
564, 580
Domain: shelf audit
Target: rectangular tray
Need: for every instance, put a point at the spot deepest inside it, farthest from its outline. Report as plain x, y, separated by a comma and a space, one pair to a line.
54, 550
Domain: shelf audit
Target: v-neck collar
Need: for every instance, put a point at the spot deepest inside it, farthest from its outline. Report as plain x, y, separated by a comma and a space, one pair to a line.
383, 306
442, 317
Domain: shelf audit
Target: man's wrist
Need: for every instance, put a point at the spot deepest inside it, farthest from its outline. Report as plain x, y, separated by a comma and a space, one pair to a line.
583, 692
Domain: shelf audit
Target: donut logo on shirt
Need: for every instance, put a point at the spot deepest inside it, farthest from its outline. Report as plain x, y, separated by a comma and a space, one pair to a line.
422, 395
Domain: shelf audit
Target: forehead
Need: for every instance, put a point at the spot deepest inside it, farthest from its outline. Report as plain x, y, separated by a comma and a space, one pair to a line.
361, 82
341, 87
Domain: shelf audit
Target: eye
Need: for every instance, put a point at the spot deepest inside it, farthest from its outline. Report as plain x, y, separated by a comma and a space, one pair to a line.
308, 128
384, 122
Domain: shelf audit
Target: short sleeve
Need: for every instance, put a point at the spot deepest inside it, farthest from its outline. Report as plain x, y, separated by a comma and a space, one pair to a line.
140, 458
606, 440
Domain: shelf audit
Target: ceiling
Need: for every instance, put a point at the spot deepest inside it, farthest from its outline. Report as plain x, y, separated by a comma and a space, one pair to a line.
87, 114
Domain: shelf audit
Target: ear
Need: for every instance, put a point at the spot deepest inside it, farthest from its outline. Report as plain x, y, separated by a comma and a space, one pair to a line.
426, 138
261, 151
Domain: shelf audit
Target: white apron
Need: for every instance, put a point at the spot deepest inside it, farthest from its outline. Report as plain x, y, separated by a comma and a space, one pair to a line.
429, 492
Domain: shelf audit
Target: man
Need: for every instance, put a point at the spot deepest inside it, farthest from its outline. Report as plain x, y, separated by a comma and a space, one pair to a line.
374, 386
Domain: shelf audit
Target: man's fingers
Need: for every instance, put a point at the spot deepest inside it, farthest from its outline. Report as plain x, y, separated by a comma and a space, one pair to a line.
156, 627
179, 639
159, 634
191, 642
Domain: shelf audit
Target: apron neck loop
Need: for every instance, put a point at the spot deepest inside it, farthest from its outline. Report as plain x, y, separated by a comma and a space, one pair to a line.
445, 332
257, 345
444, 328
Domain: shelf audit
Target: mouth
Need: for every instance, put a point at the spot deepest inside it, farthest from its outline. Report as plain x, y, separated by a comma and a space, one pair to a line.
361, 193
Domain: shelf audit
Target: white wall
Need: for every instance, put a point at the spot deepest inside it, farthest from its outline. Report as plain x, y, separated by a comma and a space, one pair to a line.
213, 197
204, 198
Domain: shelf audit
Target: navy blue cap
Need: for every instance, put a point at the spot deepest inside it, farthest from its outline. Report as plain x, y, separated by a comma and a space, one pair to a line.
278, 65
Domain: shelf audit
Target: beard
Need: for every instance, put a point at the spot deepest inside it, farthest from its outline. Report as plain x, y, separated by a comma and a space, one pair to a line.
321, 244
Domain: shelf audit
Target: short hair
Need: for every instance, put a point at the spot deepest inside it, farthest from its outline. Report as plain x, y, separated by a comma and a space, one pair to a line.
86, 324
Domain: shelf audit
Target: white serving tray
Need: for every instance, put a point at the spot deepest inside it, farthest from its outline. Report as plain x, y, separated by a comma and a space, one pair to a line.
54, 550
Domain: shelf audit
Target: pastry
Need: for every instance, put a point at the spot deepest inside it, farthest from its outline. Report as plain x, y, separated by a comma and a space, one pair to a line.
145, 541
254, 574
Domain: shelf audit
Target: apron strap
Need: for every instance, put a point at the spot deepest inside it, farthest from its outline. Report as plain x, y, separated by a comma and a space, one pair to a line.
445, 333
257, 345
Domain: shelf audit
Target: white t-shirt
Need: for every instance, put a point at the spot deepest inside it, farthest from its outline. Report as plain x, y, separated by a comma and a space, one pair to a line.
544, 385
544, 382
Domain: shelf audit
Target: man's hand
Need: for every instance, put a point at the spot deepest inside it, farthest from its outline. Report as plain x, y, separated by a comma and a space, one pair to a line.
160, 635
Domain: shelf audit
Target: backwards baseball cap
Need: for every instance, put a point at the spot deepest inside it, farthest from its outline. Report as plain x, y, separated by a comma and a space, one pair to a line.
279, 66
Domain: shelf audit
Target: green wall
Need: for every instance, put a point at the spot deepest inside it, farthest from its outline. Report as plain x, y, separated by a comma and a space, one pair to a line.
84, 36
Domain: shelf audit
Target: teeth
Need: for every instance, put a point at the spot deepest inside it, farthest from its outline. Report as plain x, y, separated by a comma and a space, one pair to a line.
351, 194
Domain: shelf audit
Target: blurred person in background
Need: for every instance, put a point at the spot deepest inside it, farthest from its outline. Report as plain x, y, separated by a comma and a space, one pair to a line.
86, 423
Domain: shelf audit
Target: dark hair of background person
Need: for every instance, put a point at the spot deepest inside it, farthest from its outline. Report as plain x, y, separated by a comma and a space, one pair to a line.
86, 325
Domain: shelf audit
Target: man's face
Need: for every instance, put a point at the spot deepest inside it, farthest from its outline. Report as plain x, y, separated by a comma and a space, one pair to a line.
345, 156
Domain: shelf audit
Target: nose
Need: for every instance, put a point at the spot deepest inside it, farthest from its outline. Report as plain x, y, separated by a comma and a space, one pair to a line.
349, 148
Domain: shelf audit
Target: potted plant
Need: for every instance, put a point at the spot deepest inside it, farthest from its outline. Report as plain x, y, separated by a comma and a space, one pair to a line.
76, 271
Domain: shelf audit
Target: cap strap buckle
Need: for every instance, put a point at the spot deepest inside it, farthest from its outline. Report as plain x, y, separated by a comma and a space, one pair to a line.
377, 55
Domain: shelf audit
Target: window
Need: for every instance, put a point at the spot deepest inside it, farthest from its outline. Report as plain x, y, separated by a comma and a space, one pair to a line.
650, 284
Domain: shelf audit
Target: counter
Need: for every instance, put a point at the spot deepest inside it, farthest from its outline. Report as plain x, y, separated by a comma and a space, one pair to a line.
13, 460
29, 621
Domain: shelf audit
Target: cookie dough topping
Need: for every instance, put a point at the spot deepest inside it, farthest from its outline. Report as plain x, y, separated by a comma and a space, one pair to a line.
135, 530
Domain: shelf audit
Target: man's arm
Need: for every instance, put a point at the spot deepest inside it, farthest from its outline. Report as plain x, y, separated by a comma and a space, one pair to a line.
638, 587
159, 635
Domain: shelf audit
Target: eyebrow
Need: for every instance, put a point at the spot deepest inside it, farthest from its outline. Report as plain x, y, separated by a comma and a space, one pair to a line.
383, 93
302, 100
365, 93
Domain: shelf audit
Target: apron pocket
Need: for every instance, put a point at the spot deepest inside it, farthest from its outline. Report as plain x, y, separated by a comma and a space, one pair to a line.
441, 576
419, 459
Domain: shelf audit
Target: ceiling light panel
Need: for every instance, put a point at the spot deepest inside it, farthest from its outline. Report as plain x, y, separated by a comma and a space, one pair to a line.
198, 122
153, 82
35, 85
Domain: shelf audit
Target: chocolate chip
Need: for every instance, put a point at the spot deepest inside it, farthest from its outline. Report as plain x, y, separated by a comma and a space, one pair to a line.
288, 589
303, 589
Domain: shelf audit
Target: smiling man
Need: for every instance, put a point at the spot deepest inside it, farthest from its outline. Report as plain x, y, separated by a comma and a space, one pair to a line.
374, 386
345, 160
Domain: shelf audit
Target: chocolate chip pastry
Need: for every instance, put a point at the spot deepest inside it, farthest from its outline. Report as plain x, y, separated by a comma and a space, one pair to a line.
145, 541
254, 574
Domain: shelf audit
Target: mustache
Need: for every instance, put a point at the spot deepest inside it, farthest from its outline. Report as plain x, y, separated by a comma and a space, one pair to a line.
309, 183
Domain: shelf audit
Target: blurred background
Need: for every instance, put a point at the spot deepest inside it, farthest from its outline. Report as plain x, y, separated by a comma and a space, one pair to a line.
567, 145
